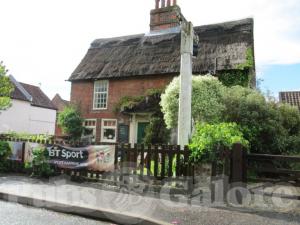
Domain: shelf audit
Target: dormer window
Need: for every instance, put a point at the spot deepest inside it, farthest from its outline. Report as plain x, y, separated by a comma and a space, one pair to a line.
100, 94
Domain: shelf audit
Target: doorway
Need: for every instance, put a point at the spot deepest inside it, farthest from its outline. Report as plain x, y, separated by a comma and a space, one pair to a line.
141, 132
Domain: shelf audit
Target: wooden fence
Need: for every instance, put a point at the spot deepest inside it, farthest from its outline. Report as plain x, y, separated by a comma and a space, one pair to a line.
150, 164
154, 161
263, 167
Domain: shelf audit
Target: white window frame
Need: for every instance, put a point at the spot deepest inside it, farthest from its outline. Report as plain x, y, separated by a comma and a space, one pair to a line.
92, 127
109, 127
94, 94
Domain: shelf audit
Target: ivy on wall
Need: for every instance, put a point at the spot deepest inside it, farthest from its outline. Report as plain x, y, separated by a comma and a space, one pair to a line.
241, 75
129, 102
156, 132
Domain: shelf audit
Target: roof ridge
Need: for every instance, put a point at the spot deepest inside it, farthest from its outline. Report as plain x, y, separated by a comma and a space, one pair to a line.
21, 88
118, 37
250, 19
30, 85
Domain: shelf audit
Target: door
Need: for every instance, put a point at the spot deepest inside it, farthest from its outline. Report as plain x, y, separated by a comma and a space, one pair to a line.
123, 133
141, 132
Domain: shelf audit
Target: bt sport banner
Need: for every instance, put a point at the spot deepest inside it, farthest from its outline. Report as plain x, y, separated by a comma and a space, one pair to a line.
95, 158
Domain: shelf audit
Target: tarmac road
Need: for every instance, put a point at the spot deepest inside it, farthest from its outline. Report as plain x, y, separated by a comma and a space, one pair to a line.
16, 214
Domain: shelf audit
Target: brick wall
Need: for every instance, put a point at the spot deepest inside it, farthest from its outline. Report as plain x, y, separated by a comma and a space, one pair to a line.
164, 18
60, 104
82, 94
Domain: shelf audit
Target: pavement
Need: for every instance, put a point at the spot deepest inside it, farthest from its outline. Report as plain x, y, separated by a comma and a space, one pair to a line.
131, 207
16, 214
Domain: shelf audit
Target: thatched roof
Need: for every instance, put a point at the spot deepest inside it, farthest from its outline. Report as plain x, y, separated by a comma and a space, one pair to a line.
222, 46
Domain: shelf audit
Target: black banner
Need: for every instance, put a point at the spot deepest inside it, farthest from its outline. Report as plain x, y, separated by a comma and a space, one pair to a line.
66, 157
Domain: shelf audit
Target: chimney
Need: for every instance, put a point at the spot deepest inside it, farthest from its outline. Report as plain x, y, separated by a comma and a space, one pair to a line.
165, 15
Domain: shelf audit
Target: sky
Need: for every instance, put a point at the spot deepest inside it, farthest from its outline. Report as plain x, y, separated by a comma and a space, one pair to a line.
42, 41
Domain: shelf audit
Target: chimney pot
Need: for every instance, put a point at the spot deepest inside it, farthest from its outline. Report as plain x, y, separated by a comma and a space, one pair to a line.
157, 4
164, 16
174, 2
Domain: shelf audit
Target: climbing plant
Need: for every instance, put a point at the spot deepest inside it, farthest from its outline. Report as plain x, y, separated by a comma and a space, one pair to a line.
241, 75
156, 132
129, 102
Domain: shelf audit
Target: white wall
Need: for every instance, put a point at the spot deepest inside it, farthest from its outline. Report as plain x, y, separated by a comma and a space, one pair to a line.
23, 118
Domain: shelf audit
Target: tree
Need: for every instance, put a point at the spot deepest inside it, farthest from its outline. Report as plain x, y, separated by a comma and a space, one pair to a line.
269, 127
6, 88
71, 122
157, 132
207, 103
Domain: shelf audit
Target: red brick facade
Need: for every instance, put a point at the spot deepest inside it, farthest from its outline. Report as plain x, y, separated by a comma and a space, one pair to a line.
60, 104
82, 95
164, 17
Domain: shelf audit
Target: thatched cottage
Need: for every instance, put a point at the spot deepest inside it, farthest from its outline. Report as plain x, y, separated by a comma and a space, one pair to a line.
130, 65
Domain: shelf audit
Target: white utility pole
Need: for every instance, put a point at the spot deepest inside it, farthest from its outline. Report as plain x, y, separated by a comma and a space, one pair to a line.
185, 95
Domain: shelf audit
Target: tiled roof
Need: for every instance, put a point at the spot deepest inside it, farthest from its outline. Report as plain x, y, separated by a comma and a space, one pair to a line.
17, 94
39, 98
59, 103
290, 97
30, 93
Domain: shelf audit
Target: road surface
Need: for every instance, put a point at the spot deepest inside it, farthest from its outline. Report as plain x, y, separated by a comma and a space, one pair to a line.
16, 214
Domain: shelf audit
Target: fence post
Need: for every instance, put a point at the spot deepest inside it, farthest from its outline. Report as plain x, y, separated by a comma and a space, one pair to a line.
219, 183
238, 173
238, 164
116, 163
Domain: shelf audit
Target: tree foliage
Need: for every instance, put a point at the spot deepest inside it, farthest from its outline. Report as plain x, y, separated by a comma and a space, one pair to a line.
268, 126
6, 88
5, 152
206, 100
71, 122
157, 132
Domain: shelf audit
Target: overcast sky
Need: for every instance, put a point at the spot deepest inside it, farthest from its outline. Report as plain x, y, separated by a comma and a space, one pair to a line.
42, 41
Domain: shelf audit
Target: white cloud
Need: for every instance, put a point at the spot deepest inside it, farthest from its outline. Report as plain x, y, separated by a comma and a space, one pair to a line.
43, 41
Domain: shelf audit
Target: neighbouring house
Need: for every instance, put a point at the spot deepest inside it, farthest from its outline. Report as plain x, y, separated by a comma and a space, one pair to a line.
131, 65
31, 112
60, 104
290, 97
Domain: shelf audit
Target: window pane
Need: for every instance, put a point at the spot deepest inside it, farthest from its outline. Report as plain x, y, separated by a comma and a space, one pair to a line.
100, 94
109, 134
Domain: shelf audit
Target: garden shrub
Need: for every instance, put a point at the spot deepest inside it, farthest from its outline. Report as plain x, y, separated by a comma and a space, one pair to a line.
71, 122
206, 100
40, 163
157, 132
208, 140
270, 127
5, 152
27, 136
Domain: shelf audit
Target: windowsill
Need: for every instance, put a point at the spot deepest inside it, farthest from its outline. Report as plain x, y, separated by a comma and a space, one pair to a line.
108, 141
98, 110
